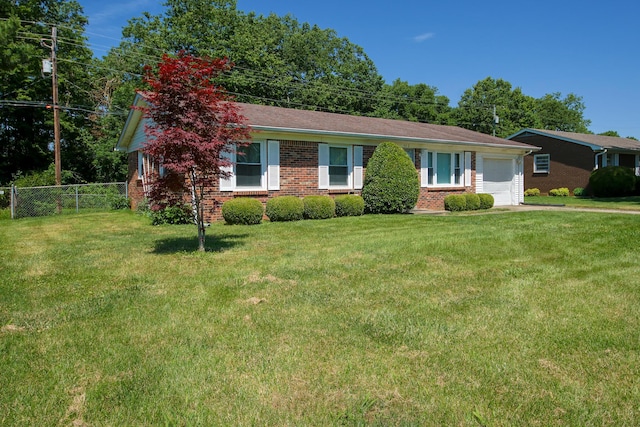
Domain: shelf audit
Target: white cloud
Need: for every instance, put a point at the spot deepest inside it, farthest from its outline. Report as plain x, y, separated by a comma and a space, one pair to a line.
423, 37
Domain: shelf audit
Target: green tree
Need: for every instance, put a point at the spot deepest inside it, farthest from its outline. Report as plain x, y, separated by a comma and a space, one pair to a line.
277, 60
418, 103
26, 125
514, 109
610, 133
564, 114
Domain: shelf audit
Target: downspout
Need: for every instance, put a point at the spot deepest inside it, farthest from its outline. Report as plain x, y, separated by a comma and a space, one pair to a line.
521, 172
599, 154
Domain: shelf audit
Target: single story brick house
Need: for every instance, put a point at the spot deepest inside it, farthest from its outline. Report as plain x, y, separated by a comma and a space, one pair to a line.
302, 152
566, 159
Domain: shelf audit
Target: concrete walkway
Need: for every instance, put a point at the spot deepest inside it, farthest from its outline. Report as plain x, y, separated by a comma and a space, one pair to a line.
525, 208
567, 209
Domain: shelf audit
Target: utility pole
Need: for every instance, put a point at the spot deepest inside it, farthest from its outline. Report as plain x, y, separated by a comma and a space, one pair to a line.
496, 120
56, 109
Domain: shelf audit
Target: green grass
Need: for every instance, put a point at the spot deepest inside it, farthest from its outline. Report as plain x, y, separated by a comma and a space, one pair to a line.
620, 203
525, 318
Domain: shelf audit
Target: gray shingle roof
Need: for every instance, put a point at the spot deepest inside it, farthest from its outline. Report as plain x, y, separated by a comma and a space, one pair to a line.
269, 117
609, 142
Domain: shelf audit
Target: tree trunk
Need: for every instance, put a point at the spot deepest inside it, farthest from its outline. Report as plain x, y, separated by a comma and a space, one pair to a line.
201, 231
198, 211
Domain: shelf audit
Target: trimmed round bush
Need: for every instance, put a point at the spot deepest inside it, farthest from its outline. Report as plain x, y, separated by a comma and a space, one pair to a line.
391, 183
486, 200
559, 192
349, 205
319, 207
285, 208
243, 210
612, 181
455, 202
473, 201
531, 192
579, 192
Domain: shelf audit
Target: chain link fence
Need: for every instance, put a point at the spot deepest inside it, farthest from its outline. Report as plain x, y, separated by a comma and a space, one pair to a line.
41, 201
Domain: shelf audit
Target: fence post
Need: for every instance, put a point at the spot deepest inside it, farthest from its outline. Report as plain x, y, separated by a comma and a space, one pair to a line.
77, 201
13, 202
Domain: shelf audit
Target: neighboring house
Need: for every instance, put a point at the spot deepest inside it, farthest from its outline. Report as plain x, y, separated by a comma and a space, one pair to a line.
567, 159
302, 152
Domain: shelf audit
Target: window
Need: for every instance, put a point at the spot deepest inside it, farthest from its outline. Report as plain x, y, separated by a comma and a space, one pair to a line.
541, 163
612, 159
249, 166
443, 169
148, 166
256, 167
338, 166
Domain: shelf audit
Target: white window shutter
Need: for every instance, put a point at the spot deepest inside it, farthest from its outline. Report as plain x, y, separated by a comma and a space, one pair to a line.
323, 166
357, 167
229, 183
467, 168
424, 171
273, 168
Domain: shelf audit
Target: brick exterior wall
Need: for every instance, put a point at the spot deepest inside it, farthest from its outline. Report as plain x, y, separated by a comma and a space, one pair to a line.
299, 177
136, 193
570, 164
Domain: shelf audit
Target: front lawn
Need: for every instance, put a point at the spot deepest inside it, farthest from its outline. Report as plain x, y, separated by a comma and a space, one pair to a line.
621, 203
516, 318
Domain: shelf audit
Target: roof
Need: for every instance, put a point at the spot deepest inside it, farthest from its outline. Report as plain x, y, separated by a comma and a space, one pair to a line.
595, 142
288, 120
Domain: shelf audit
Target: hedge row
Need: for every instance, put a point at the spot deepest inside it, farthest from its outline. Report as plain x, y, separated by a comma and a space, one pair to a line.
468, 202
248, 211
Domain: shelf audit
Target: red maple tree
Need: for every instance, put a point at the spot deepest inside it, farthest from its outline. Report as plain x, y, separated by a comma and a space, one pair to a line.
193, 122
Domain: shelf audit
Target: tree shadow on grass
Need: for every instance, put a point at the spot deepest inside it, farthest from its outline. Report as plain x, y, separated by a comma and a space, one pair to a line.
214, 243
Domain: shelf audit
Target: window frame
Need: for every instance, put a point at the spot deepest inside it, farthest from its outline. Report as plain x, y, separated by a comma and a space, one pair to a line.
153, 166
536, 168
345, 166
354, 167
457, 169
262, 164
269, 168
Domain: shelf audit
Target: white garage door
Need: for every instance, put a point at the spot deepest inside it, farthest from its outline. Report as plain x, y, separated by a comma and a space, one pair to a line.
498, 180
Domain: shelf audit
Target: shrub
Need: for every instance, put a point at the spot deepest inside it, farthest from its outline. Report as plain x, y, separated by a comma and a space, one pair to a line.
579, 192
174, 215
319, 207
243, 210
531, 192
5, 198
391, 184
473, 201
612, 181
486, 200
43, 178
143, 207
285, 208
455, 202
349, 205
559, 192
117, 202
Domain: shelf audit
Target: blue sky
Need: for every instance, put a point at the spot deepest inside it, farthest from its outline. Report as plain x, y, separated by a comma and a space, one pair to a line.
588, 48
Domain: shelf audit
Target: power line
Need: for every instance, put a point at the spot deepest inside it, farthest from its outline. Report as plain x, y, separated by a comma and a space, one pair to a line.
289, 84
